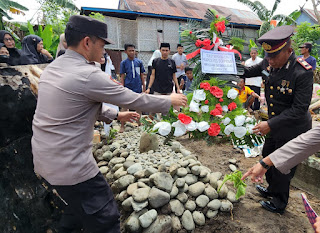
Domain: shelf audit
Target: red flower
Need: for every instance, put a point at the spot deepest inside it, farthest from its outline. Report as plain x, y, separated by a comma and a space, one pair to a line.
206, 101
220, 26
219, 107
217, 16
217, 111
205, 86
184, 118
214, 129
220, 100
190, 32
232, 106
216, 91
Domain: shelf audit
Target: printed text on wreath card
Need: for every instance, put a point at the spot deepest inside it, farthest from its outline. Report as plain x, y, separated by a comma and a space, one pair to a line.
216, 62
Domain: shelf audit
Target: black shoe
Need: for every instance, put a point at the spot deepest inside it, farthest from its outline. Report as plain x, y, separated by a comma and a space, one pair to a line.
270, 207
263, 191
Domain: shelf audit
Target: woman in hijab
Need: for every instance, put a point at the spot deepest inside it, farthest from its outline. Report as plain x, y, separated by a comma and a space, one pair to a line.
7, 39
33, 52
4, 54
62, 45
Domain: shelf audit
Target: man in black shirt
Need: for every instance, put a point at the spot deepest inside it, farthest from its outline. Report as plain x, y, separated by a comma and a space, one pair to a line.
163, 72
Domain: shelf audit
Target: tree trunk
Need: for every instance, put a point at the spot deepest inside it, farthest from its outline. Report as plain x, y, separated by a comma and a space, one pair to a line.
316, 12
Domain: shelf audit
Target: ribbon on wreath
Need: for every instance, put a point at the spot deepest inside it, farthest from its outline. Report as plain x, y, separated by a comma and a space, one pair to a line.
229, 48
203, 44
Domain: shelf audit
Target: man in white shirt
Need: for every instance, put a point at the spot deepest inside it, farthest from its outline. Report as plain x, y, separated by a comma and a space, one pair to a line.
181, 62
254, 83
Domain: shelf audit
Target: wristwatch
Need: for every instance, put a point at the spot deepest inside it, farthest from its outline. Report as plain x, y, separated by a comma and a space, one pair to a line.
264, 165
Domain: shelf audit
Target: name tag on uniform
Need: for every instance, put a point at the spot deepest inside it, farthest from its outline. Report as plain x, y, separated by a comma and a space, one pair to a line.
265, 73
138, 70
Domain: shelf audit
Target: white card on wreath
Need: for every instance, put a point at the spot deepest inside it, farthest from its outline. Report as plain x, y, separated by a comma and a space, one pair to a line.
217, 62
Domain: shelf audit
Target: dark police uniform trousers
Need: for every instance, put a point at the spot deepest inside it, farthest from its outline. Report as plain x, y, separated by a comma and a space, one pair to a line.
91, 207
288, 92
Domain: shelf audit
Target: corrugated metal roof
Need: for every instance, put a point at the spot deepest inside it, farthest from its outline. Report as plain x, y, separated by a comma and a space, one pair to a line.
182, 8
311, 14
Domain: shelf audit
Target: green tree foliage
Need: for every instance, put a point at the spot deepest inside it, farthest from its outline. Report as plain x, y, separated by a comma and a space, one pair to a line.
266, 15
57, 13
97, 16
307, 33
237, 43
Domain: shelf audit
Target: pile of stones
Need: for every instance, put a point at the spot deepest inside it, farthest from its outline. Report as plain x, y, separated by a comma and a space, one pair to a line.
162, 190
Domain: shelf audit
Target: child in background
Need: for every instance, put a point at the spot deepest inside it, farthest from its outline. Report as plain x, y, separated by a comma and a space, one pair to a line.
244, 92
187, 83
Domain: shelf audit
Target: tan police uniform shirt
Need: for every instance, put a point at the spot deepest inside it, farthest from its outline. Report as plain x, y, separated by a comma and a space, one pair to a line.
70, 96
296, 150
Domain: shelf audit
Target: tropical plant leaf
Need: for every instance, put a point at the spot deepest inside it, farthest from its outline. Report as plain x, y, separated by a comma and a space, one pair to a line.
40, 29
4, 5
275, 6
284, 18
3, 13
30, 28
265, 27
47, 36
257, 8
16, 5
67, 4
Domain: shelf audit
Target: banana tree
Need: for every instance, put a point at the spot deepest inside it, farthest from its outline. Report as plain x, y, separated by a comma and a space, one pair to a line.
50, 39
266, 15
7, 6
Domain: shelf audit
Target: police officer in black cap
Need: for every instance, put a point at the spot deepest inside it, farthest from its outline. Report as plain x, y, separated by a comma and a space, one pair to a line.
70, 96
288, 84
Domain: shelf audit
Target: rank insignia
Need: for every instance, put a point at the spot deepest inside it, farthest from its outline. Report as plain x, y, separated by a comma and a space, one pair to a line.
266, 46
305, 64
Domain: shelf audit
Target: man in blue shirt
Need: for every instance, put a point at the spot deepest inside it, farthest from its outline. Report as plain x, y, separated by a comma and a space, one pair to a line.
305, 50
131, 73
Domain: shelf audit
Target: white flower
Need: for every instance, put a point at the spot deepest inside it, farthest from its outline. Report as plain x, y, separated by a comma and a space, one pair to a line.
232, 94
194, 106
239, 120
164, 128
205, 108
249, 128
239, 132
199, 95
203, 126
226, 121
249, 120
228, 129
180, 128
192, 126
225, 108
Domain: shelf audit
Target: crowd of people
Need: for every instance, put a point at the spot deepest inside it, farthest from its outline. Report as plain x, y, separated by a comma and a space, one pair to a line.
32, 51
73, 90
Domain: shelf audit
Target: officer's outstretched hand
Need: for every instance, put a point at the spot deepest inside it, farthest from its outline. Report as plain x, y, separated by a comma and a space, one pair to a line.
256, 173
317, 225
261, 128
128, 116
178, 99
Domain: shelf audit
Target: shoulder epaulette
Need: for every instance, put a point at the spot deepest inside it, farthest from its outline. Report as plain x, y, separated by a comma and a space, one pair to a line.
305, 64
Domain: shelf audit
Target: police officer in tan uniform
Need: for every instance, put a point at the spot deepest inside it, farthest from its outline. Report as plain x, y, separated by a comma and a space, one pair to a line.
71, 92
288, 89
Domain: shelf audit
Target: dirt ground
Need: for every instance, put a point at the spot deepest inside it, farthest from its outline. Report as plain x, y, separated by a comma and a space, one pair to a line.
248, 216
